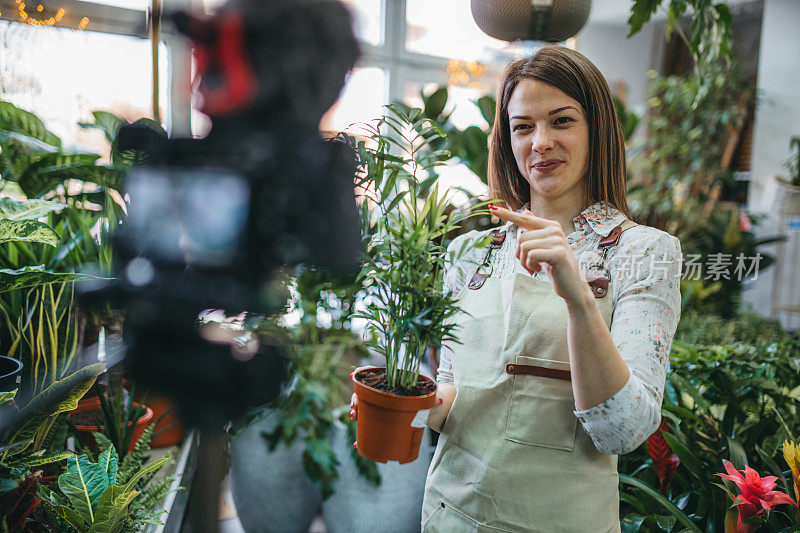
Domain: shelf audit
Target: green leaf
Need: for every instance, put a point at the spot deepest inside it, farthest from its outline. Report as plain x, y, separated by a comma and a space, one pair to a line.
7, 396
109, 123
488, 107
435, 103
396, 200
59, 397
641, 13
15, 447
737, 454
688, 459
109, 461
108, 177
71, 517
27, 231
152, 467
18, 120
30, 144
83, 483
7, 484
686, 387
661, 500
112, 510
30, 461
32, 276
27, 209
774, 469
632, 523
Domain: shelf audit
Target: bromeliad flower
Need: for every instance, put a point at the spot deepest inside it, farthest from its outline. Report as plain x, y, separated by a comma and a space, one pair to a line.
757, 496
791, 452
665, 461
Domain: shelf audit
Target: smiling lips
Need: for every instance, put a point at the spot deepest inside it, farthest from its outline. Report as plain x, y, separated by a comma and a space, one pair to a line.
548, 165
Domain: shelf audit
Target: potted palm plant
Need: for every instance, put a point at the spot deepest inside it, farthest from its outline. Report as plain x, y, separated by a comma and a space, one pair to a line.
404, 222
788, 196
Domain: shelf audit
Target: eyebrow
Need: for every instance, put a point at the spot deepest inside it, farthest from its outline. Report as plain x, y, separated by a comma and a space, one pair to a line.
553, 112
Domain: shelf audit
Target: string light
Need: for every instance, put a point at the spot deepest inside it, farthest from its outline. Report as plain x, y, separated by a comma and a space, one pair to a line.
465, 73
51, 20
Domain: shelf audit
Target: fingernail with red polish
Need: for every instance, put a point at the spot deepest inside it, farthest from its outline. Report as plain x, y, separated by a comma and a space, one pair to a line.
439, 401
355, 445
492, 207
352, 415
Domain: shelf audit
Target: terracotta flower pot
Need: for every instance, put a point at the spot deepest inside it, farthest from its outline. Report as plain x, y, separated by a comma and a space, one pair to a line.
390, 426
160, 404
93, 405
173, 434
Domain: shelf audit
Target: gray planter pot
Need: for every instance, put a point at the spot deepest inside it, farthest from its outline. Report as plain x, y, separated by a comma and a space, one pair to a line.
271, 490
395, 505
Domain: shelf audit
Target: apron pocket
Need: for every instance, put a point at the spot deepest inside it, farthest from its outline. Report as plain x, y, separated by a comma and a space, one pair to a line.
540, 408
447, 519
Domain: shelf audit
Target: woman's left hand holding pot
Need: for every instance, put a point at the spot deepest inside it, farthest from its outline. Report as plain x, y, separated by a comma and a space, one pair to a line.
544, 245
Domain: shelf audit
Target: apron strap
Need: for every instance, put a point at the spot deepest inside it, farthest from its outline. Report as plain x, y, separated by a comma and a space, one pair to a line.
599, 284
613, 237
478, 278
533, 370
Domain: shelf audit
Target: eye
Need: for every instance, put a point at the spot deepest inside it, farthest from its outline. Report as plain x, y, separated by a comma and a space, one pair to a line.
519, 127
564, 120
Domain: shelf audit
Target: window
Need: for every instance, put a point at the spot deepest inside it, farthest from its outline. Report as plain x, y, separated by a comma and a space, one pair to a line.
368, 18
460, 101
129, 4
361, 100
62, 75
445, 28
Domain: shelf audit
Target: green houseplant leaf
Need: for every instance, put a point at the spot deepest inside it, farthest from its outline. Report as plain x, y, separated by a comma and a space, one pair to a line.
59, 397
83, 483
109, 123
39, 459
32, 276
26, 142
112, 510
109, 462
46, 178
71, 517
18, 120
27, 231
7, 396
657, 496
27, 209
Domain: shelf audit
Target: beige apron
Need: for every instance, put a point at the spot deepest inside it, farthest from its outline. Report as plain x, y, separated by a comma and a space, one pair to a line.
512, 455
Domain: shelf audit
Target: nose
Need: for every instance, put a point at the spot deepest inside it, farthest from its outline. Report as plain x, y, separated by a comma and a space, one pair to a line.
542, 140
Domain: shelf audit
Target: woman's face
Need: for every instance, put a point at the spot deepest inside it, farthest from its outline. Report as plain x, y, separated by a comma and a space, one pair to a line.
550, 139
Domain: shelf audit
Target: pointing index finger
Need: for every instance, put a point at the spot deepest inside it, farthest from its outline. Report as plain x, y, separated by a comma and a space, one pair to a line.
525, 220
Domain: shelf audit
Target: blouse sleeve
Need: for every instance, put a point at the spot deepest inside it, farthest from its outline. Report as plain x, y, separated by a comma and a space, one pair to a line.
647, 304
454, 279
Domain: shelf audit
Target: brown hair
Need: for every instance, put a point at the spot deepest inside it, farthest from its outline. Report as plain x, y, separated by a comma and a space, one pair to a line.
573, 74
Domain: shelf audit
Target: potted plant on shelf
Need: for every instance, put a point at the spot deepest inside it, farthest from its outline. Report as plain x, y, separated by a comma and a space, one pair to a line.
114, 412
404, 222
789, 187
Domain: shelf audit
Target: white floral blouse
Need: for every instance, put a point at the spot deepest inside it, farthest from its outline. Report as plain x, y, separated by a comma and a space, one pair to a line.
645, 268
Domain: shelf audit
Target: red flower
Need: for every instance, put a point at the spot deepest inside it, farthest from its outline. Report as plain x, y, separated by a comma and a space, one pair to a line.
665, 461
757, 495
744, 222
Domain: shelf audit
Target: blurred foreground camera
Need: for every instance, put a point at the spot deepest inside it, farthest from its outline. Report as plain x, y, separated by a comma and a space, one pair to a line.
211, 220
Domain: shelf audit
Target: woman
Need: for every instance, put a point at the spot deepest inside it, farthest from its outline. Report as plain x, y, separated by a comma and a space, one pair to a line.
568, 317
